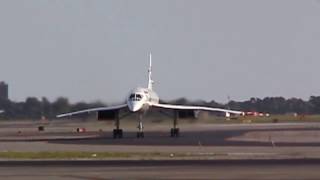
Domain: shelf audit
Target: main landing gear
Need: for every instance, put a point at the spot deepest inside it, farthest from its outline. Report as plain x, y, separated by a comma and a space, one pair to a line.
175, 132
117, 133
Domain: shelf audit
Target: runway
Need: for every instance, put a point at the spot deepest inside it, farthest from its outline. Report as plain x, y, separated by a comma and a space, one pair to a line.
187, 138
281, 136
238, 140
162, 169
209, 151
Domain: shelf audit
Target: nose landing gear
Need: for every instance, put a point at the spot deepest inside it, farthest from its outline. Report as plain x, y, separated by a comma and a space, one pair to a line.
140, 133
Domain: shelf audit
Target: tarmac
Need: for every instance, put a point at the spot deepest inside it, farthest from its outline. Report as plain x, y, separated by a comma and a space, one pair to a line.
286, 169
210, 151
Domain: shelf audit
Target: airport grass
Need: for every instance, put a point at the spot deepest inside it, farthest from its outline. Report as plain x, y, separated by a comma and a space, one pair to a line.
84, 155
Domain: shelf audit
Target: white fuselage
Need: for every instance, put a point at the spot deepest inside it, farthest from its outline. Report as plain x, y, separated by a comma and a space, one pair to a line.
140, 99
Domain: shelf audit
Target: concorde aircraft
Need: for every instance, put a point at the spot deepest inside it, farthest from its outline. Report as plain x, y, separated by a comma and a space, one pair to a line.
140, 100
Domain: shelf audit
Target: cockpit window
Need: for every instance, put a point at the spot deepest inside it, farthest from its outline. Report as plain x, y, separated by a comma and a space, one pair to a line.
135, 97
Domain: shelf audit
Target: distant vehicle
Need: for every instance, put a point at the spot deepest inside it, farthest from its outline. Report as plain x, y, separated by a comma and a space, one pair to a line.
140, 100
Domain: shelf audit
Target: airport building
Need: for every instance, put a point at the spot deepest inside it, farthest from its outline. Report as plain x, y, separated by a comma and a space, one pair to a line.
4, 90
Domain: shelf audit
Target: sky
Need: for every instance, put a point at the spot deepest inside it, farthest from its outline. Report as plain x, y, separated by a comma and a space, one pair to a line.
202, 49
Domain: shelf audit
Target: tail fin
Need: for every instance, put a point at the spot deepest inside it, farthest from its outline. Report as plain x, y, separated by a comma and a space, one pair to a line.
150, 81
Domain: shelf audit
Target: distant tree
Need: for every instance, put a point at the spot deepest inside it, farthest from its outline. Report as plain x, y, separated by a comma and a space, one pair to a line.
17, 111
61, 105
7, 106
234, 105
297, 105
46, 108
215, 104
315, 104
32, 108
181, 101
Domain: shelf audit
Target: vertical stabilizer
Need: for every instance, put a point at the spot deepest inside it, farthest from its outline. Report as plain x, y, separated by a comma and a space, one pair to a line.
150, 81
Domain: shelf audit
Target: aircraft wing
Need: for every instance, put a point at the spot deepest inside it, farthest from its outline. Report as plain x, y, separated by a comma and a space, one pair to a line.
201, 108
110, 108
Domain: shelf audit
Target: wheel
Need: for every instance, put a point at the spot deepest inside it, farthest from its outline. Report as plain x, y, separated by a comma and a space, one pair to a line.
41, 128
172, 133
117, 133
120, 133
175, 132
140, 134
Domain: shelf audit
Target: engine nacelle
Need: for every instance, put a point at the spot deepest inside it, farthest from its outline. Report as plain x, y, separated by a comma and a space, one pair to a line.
183, 114
107, 115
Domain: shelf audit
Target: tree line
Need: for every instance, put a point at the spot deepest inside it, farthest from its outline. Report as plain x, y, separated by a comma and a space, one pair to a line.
272, 105
34, 108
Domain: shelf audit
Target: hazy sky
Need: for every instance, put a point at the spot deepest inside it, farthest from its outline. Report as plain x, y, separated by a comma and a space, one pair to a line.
202, 49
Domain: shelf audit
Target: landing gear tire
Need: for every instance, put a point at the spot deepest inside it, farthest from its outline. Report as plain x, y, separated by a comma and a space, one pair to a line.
175, 132
117, 133
140, 134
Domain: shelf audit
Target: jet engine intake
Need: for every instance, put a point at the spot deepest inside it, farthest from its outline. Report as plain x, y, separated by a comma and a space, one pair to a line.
107, 115
183, 114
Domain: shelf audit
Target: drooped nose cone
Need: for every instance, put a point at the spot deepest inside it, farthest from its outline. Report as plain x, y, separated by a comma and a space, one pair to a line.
134, 106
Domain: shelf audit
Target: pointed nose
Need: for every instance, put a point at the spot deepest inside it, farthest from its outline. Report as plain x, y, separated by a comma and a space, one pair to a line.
134, 106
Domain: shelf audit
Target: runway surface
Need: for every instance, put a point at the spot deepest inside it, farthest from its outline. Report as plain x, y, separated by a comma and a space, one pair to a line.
284, 134
229, 141
257, 151
286, 169
281, 137
193, 138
